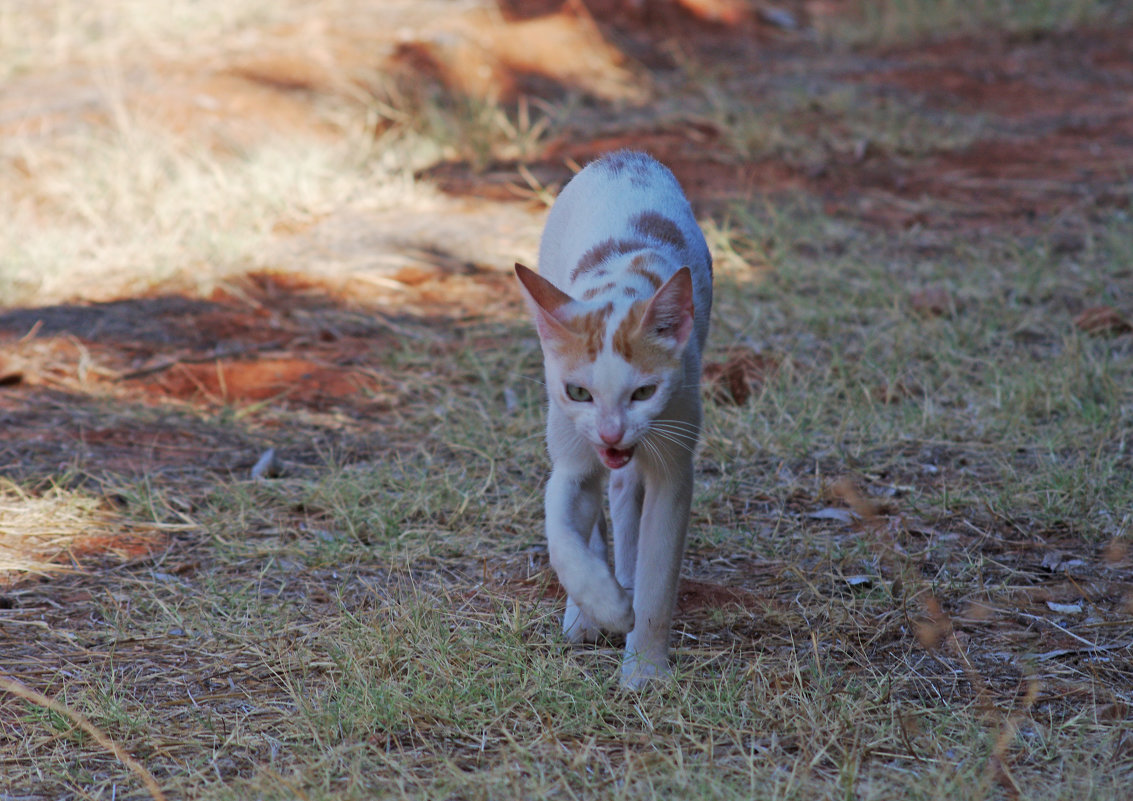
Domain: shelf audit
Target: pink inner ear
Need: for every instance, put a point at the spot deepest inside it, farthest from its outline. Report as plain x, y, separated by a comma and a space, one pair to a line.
545, 299
670, 312
542, 292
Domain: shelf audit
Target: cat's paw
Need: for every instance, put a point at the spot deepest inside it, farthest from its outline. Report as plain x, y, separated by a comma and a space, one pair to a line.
637, 673
615, 613
578, 627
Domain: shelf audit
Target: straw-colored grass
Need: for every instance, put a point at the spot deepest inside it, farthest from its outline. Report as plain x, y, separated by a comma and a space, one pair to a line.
56, 531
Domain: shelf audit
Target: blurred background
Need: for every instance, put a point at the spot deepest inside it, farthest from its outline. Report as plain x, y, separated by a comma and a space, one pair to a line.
346, 140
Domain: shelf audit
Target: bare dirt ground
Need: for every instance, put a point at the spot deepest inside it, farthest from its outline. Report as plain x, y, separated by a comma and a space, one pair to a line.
103, 383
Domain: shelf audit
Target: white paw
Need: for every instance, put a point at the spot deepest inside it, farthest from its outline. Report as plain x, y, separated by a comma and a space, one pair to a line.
637, 672
577, 627
614, 613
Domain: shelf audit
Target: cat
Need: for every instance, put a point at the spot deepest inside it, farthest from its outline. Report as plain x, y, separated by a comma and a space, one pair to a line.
621, 305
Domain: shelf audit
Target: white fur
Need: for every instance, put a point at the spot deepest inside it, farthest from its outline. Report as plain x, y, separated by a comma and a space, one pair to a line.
597, 205
650, 496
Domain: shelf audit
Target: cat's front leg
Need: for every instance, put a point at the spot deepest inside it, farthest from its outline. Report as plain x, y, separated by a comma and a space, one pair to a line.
664, 522
577, 625
573, 509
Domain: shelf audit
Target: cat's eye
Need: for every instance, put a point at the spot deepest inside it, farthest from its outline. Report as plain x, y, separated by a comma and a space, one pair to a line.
643, 393
577, 393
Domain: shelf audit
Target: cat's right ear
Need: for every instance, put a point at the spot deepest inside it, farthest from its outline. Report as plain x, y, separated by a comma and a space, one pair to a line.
544, 300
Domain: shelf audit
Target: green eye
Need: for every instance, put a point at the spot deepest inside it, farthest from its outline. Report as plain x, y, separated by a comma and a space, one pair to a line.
643, 393
577, 393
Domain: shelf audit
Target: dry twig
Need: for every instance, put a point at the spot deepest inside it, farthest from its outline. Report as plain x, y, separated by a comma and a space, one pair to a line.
28, 694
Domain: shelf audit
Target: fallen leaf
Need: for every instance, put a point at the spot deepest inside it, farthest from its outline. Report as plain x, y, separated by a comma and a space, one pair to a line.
733, 380
1115, 551
1059, 562
833, 513
893, 393
10, 374
1064, 609
932, 301
930, 633
415, 275
1102, 320
779, 17
848, 493
1117, 712
976, 611
727, 12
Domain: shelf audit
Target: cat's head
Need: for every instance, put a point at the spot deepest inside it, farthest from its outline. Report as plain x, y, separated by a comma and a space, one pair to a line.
612, 369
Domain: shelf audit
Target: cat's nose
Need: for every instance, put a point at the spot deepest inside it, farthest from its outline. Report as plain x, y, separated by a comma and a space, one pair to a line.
611, 436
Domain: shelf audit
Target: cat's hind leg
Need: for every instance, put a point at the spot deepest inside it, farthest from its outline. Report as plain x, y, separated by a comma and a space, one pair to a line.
626, 494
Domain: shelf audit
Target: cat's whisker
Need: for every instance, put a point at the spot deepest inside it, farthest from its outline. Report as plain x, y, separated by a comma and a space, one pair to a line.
675, 425
657, 454
523, 377
677, 433
679, 436
675, 422
676, 428
682, 444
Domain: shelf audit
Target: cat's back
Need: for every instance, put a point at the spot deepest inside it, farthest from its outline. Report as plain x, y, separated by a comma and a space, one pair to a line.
622, 202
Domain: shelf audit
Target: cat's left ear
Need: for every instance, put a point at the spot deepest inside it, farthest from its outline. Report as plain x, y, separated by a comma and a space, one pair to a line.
670, 313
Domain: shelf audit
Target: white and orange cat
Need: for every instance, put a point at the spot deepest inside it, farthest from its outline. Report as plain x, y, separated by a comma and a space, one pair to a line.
621, 303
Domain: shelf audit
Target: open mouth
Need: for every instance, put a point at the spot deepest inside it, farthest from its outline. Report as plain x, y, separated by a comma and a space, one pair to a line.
614, 458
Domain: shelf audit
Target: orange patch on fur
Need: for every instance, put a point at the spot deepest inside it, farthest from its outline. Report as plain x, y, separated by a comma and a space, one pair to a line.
625, 335
639, 347
587, 331
656, 226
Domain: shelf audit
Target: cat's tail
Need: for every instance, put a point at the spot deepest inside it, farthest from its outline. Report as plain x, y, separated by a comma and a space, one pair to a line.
588, 581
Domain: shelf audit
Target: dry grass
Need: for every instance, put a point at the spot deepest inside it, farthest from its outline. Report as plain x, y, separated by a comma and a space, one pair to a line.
55, 530
143, 149
908, 572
